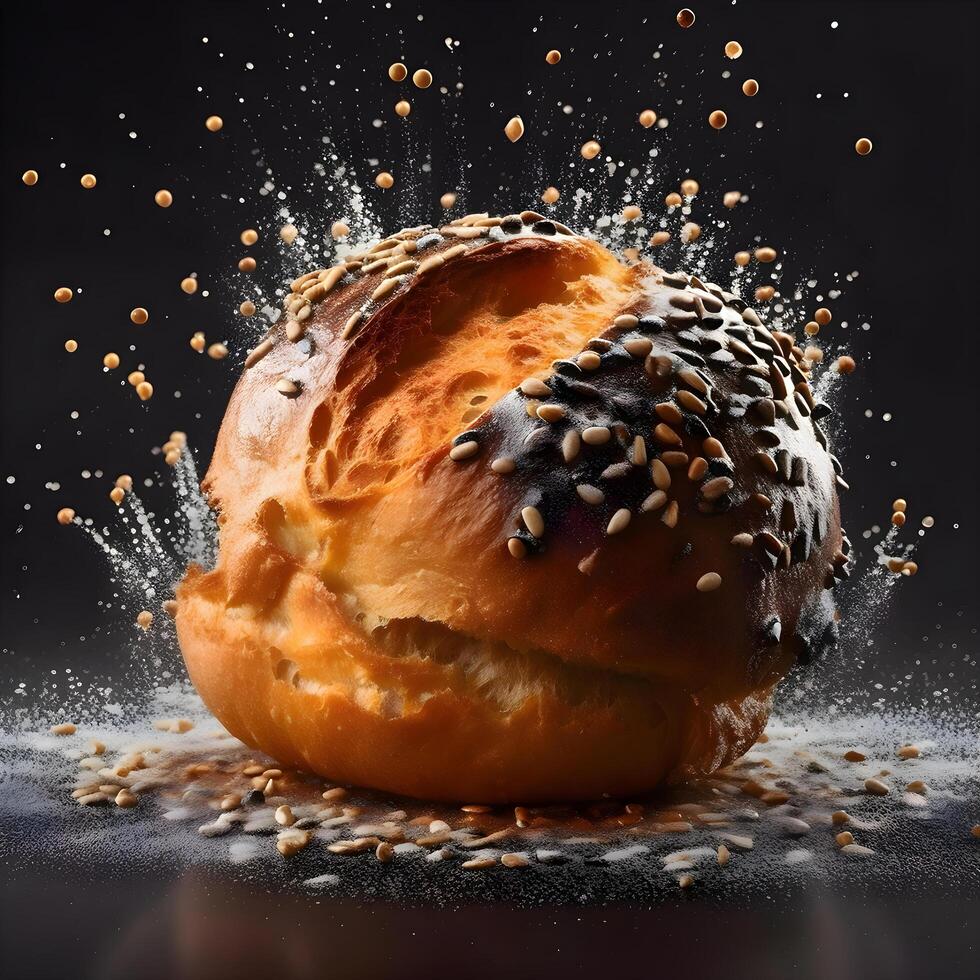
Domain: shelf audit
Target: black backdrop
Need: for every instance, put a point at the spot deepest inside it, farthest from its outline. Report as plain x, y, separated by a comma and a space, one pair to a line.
905, 217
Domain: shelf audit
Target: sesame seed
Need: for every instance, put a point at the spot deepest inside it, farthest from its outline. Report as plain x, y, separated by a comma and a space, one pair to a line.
673, 200
685, 17
690, 187
144, 619
189, 285
551, 413
647, 118
845, 365
655, 501
403, 107
139, 315
716, 488
550, 195
733, 50
660, 238
619, 521
163, 198
397, 72
909, 752
863, 146
516, 547
478, 864
765, 254
422, 78
513, 860
731, 199
65, 728
246, 264
533, 521
660, 474
750, 87
88, 181
570, 445
671, 514
626, 321
724, 855
839, 817
876, 787
844, 838
29, 177
709, 582
111, 361
742, 258
588, 360
590, 494
448, 200
553, 57
742, 540
590, 150
464, 450
596, 435
717, 119
535, 388
213, 123
71, 346
514, 129
288, 233
217, 352
247, 308
387, 286
63, 294
384, 180
351, 325
503, 465
631, 213
288, 387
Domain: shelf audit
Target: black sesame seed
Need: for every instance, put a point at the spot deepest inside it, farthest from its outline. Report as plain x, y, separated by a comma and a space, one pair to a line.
821, 410
253, 797
772, 631
696, 428
651, 324
568, 368
691, 357
512, 225
721, 467
544, 227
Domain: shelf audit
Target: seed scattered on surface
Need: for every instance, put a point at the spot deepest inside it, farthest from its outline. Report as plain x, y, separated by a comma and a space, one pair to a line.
733, 50
685, 17
876, 787
852, 755
863, 146
975, 830
765, 254
448, 200
65, 728
163, 198
403, 107
284, 816
844, 838
71, 346
397, 72
596, 435
533, 521
590, 150
139, 315
709, 582
516, 547
503, 464
117, 494
29, 177
717, 119
647, 118
111, 361
750, 87
900, 504
422, 78
909, 752
384, 180
144, 619
845, 365
553, 56
514, 129
63, 294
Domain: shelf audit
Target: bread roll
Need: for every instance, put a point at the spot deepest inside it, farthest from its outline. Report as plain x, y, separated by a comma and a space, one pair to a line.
504, 519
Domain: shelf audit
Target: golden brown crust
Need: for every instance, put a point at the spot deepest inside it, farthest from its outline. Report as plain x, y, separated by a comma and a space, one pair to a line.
368, 618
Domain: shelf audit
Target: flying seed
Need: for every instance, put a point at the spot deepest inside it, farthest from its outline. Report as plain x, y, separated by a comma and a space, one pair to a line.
63, 294
422, 78
448, 200
88, 181
590, 150
397, 72
553, 56
66, 515
71, 346
217, 352
514, 129
29, 177
145, 391
685, 17
709, 582
384, 180
750, 87
717, 119
647, 118
111, 361
733, 50
163, 198
403, 108
863, 146
550, 195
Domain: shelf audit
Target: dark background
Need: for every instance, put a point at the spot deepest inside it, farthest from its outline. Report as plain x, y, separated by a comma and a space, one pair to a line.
905, 217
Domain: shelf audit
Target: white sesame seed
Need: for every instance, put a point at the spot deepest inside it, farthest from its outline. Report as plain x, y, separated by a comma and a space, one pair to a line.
464, 450
596, 435
619, 521
590, 494
533, 521
503, 464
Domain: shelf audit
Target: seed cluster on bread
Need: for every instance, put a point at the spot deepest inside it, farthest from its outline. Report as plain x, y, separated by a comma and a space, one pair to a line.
619, 551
